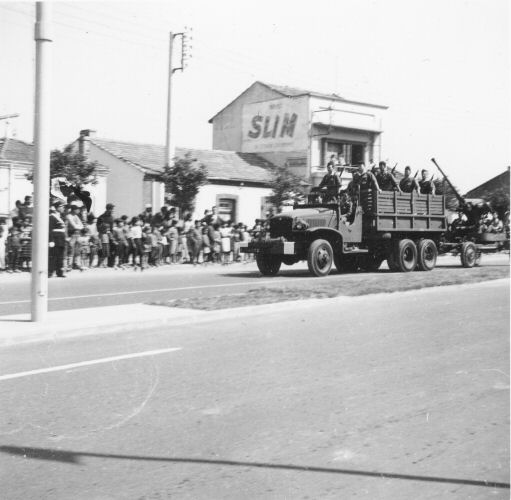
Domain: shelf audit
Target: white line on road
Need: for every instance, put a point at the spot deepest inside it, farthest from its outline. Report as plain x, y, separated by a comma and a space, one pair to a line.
219, 285
87, 363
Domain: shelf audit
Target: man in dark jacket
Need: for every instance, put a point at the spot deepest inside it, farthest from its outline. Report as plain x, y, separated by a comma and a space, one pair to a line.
57, 240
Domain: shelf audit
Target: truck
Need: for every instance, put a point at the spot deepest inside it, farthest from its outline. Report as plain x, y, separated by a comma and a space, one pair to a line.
404, 229
408, 230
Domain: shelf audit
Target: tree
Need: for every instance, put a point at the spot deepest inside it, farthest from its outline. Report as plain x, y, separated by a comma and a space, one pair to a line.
73, 166
498, 199
285, 186
182, 181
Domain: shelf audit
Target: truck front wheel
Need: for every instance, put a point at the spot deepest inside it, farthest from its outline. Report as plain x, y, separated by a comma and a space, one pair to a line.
427, 254
405, 255
320, 258
269, 265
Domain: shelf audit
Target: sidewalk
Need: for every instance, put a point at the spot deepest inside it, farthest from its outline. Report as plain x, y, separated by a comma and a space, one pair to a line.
59, 325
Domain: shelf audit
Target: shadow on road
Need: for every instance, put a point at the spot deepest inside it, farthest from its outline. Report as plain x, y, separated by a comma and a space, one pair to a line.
73, 457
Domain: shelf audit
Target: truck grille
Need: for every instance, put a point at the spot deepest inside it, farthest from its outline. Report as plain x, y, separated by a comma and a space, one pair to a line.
280, 226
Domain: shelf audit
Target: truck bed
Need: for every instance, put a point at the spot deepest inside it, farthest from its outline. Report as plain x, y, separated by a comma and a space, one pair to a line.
393, 211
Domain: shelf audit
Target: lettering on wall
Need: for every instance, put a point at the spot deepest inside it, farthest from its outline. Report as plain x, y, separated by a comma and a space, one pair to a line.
276, 125
271, 126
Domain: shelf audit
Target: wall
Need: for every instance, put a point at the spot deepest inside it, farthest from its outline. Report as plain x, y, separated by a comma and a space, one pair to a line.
13, 186
227, 125
124, 184
250, 200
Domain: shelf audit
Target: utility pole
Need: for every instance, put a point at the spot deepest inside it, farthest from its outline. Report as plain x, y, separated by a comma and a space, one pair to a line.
39, 283
185, 46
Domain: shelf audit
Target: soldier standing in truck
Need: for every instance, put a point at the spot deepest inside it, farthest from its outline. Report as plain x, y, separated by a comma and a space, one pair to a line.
386, 180
408, 183
426, 186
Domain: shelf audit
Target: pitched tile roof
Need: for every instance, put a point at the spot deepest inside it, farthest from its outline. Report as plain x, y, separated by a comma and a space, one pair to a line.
16, 151
286, 91
221, 165
488, 187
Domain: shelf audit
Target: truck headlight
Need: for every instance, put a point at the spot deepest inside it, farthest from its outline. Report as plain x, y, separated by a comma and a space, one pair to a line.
300, 225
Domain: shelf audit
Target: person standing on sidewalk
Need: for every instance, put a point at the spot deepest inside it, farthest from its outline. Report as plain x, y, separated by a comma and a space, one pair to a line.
57, 241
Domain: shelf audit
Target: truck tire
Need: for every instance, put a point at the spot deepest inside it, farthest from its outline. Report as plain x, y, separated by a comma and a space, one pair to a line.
468, 254
269, 265
405, 255
320, 257
427, 254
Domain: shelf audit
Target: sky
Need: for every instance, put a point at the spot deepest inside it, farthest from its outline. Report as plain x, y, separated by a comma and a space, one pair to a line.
442, 67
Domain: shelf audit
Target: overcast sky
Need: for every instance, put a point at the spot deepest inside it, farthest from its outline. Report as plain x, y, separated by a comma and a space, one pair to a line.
442, 67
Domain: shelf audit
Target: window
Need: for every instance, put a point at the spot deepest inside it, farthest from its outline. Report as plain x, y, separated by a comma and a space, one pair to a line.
227, 209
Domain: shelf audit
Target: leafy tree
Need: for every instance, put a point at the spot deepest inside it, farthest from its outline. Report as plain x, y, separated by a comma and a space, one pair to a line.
182, 181
498, 200
285, 186
73, 166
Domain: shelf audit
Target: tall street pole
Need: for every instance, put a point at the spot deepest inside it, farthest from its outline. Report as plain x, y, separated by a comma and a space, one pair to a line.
39, 283
169, 148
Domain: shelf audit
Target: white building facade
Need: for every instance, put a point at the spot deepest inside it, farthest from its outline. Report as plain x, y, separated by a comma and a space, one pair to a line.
299, 128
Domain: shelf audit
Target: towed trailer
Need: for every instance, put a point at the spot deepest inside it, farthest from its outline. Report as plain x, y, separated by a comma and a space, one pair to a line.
408, 230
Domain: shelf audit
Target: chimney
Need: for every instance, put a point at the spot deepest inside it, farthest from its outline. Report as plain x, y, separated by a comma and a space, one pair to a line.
83, 141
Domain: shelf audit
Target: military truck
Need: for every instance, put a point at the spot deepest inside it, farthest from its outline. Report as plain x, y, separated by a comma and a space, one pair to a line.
408, 230
404, 229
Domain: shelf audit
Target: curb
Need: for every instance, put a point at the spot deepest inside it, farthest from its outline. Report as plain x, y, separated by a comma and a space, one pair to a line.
174, 317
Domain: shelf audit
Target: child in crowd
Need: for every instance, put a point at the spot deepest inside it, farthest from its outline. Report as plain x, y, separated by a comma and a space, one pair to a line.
84, 248
173, 237
26, 243
225, 233
147, 245
206, 245
13, 250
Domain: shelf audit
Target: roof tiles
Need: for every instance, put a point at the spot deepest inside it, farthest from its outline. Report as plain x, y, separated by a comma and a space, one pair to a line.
221, 165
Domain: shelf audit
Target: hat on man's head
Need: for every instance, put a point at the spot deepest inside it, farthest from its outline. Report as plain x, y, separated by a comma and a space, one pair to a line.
58, 203
148, 205
109, 206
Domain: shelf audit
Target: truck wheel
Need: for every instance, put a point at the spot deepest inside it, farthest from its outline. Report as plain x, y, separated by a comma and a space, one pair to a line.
427, 254
468, 254
405, 255
320, 258
269, 265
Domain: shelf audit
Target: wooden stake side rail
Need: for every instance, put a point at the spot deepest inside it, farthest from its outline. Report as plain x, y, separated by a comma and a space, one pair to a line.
405, 212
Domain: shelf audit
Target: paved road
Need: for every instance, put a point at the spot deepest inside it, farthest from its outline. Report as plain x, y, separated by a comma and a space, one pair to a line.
391, 397
103, 287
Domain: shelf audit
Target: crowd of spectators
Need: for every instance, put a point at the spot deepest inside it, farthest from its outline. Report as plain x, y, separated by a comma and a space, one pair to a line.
121, 242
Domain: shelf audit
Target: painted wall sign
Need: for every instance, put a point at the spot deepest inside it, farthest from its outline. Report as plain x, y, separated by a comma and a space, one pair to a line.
276, 125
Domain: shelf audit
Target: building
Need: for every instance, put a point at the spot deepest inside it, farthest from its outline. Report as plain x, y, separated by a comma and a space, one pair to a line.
237, 182
498, 183
299, 128
16, 161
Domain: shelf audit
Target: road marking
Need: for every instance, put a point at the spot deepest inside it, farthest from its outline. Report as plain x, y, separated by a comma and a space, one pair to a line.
177, 289
87, 363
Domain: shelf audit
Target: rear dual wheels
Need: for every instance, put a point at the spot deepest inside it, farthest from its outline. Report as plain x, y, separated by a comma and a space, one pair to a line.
405, 256
427, 254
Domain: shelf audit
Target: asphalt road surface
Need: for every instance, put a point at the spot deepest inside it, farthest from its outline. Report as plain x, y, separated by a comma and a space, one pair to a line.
402, 396
105, 287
